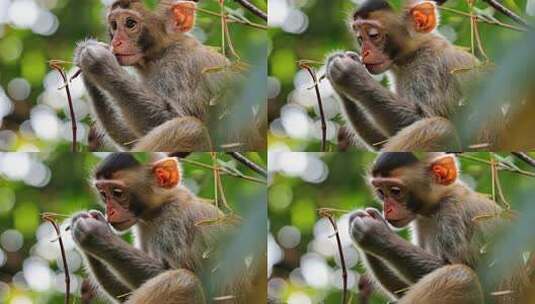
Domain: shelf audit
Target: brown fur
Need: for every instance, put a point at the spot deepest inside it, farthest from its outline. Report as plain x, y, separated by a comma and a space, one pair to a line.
172, 248
159, 109
438, 266
428, 93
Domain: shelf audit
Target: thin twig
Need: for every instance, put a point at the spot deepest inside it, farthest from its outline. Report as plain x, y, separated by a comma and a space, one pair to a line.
253, 9
215, 169
248, 163
224, 171
326, 213
50, 218
218, 184
500, 164
504, 10
479, 19
231, 18
312, 73
525, 158
56, 65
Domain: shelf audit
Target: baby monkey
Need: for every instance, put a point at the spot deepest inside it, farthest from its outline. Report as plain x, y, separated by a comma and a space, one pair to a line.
417, 115
172, 248
166, 104
438, 265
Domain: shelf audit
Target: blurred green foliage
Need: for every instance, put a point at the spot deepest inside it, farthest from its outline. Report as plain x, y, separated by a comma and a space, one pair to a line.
25, 54
294, 203
67, 190
326, 30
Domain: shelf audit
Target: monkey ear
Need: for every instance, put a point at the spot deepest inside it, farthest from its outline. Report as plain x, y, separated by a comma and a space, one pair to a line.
424, 17
183, 16
444, 170
167, 172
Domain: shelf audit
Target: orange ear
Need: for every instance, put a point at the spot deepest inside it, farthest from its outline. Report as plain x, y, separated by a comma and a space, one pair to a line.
183, 15
166, 172
424, 17
444, 170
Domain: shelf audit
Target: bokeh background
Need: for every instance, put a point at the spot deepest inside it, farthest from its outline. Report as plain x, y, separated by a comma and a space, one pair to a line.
303, 260
34, 115
31, 270
312, 29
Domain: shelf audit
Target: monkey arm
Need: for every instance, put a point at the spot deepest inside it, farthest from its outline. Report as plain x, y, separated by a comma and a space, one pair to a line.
384, 274
107, 116
362, 124
142, 109
106, 279
350, 78
133, 266
411, 261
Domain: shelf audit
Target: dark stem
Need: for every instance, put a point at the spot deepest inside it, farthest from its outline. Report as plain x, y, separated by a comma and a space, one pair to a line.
253, 9
504, 10
320, 105
49, 218
525, 158
57, 67
248, 163
328, 215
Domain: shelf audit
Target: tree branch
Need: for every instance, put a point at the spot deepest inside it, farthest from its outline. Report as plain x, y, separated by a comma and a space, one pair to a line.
248, 163
49, 217
504, 10
525, 158
252, 8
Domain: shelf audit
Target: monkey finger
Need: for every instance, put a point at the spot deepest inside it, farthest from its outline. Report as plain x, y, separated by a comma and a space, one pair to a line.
78, 216
376, 214
333, 57
353, 55
358, 213
96, 214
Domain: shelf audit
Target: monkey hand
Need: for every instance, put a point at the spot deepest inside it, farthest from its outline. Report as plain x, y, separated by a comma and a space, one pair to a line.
345, 68
94, 57
369, 229
90, 230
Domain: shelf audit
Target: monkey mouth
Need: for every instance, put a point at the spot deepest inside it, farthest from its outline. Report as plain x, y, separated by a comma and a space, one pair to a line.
378, 67
399, 223
125, 56
123, 225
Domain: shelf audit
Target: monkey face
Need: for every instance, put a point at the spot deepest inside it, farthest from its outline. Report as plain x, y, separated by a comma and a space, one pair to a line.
394, 195
372, 40
115, 196
125, 27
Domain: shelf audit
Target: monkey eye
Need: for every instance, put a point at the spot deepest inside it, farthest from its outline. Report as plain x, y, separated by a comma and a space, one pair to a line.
117, 193
395, 191
113, 25
130, 23
359, 39
373, 33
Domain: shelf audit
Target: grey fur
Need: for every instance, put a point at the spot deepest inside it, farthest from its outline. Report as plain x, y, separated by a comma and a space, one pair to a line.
173, 85
170, 247
425, 88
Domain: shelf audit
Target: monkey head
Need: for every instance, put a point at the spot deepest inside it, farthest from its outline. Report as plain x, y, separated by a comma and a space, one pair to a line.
132, 191
385, 36
136, 32
408, 186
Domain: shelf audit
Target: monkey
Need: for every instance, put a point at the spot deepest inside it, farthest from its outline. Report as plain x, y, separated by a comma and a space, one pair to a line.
176, 87
438, 266
417, 115
172, 245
